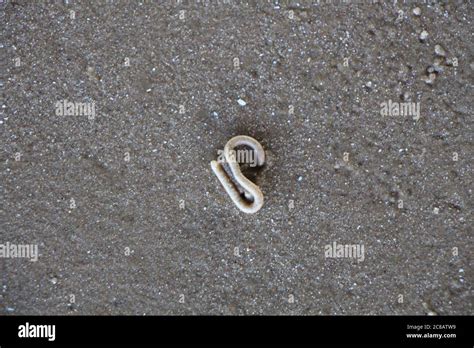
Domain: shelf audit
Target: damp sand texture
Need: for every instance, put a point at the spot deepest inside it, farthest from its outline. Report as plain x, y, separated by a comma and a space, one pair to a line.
111, 113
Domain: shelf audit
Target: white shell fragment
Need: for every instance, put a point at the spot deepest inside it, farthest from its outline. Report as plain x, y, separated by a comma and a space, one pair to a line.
241, 102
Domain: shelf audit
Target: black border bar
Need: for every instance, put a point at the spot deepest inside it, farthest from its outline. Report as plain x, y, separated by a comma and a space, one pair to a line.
332, 330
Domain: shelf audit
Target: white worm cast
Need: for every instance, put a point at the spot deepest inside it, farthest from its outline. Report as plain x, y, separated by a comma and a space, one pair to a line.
252, 193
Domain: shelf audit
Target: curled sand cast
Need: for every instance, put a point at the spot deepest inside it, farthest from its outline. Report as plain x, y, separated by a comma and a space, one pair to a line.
244, 193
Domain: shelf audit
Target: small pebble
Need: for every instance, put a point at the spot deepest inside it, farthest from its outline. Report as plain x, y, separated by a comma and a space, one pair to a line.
423, 35
436, 210
241, 102
417, 11
440, 51
437, 65
430, 78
